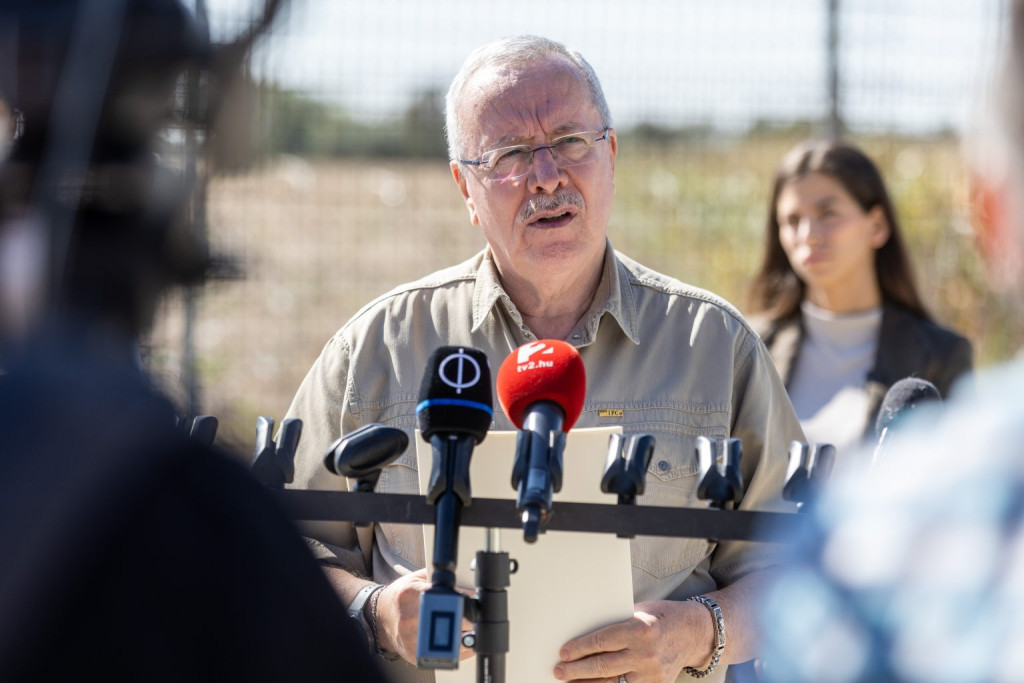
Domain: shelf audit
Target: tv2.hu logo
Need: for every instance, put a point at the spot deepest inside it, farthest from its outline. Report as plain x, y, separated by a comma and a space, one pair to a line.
525, 360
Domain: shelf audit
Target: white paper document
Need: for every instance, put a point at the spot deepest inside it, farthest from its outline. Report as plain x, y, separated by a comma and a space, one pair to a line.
568, 583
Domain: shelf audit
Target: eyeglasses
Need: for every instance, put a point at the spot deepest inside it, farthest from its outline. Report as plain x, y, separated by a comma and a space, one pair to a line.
512, 163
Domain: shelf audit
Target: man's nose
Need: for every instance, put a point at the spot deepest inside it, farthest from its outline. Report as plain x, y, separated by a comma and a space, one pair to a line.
546, 175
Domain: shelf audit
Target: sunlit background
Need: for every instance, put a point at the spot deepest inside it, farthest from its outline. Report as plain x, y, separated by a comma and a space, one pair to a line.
332, 183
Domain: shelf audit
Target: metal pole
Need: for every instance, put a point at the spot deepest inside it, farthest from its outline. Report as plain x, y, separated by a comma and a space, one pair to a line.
834, 125
196, 175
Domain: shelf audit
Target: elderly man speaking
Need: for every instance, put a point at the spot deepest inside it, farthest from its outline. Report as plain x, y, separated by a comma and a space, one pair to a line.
533, 153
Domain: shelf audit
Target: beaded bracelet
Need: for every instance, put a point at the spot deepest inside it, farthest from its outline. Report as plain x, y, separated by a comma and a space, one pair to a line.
383, 654
716, 655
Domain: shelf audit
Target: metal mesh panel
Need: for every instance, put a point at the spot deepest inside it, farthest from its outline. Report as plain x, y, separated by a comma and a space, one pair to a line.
344, 190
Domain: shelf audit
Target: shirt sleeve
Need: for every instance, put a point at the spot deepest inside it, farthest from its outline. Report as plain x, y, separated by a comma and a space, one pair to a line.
764, 420
320, 403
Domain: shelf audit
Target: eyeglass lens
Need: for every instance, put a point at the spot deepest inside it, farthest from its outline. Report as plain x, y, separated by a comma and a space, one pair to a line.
569, 150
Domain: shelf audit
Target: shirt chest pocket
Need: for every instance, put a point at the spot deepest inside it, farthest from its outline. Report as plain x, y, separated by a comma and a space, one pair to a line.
671, 481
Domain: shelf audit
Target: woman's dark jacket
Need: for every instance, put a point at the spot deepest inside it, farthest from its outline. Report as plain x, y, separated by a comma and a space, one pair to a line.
908, 346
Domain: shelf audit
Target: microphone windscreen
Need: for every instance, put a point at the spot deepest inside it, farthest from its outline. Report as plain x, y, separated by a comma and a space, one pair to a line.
902, 398
455, 395
544, 370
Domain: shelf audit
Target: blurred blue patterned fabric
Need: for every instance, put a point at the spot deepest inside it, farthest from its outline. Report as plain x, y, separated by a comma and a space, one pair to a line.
914, 571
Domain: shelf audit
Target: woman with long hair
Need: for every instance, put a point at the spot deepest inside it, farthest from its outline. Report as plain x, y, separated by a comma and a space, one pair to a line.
835, 299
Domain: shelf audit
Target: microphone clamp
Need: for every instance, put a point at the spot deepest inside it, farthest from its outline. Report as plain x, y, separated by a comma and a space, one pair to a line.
721, 478
626, 466
273, 463
807, 472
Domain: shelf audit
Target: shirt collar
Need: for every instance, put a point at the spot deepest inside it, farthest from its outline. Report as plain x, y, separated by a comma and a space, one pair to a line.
614, 287
488, 291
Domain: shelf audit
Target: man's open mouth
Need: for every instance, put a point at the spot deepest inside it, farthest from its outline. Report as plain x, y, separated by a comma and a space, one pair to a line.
554, 220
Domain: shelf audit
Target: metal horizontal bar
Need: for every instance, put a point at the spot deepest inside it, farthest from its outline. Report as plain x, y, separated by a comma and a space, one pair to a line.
623, 520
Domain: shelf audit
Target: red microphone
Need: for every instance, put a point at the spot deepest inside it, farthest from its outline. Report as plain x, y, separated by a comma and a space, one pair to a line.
541, 387
545, 370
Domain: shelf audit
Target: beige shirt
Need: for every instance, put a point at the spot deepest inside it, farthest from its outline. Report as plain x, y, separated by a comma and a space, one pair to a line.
669, 359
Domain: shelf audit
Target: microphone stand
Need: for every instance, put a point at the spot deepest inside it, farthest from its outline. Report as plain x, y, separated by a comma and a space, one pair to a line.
441, 606
489, 609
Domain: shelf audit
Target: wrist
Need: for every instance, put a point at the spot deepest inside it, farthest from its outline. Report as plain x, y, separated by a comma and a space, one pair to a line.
358, 612
383, 645
364, 610
718, 638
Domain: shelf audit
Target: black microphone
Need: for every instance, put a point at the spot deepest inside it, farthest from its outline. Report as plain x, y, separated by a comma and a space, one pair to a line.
901, 400
363, 453
454, 412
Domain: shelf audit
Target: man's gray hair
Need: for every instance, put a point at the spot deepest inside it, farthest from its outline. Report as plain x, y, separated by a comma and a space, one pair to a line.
513, 52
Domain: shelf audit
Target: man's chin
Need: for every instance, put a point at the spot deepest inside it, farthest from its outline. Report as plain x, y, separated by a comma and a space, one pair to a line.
555, 245
563, 255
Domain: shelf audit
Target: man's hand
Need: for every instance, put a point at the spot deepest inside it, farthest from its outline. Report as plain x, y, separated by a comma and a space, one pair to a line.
653, 647
398, 612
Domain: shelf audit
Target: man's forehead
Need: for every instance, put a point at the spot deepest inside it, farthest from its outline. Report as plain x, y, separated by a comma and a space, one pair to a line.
512, 104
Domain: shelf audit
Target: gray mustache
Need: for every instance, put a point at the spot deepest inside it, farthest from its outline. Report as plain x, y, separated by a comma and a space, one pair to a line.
550, 203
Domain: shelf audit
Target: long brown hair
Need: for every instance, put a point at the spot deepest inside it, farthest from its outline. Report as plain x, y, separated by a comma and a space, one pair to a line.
776, 290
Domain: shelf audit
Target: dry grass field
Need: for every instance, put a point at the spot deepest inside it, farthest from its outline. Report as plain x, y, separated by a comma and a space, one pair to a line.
317, 239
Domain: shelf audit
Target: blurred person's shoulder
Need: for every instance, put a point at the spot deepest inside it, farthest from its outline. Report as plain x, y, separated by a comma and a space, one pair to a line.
108, 499
912, 550
990, 397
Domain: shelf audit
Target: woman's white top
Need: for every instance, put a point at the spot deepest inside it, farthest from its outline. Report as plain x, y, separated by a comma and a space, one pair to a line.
827, 387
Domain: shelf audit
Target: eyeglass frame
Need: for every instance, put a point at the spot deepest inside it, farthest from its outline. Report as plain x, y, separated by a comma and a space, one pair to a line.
480, 163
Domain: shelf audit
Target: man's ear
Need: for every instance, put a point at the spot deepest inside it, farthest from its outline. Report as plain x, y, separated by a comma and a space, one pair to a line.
613, 142
461, 181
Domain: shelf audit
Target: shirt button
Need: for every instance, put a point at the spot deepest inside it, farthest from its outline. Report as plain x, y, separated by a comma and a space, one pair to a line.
577, 337
663, 465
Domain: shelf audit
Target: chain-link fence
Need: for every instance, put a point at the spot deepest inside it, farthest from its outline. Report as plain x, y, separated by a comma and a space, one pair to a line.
342, 188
